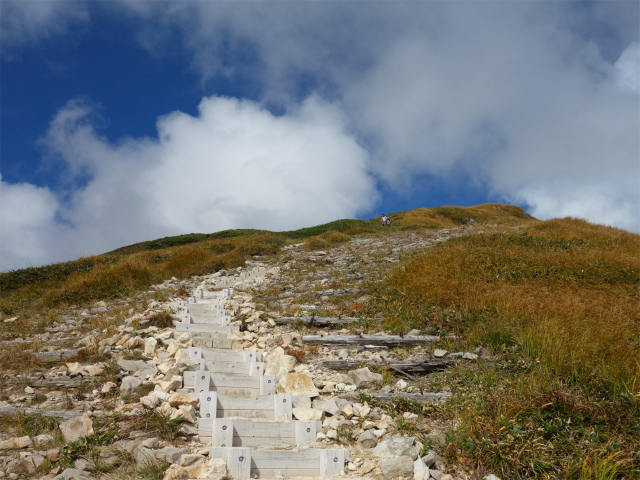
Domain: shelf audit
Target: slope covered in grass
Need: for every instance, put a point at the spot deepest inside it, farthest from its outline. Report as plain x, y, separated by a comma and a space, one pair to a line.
558, 301
126, 269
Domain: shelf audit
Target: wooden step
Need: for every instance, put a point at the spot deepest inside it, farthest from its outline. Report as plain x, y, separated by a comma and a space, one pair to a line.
205, 328
244, 367
223, 355
244, 462
212, 340
203, 294
232, 385
239, 432
267, 407
186, 317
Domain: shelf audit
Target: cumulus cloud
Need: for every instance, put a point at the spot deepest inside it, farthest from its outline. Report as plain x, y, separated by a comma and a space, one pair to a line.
234, 165
522, 97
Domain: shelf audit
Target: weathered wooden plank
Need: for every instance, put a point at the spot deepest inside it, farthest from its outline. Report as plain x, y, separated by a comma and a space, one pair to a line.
58, 381
205, 328
377, 340
315, 321
64, 415
285, 472
222, 355
387, 397
236, 368
56, 355
423, 366
208, 340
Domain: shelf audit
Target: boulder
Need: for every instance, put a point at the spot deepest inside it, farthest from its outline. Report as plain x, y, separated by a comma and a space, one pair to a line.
327, 404
150, 345
433, 460
171, 385
177, 399
398, 467
214, 469
129, 384
171, 454
420, 470
367, 439
307, 414
397, 447
76, 428
76, 474
139, 368
15, 443
297, 384
279, 365
42, 441
362, 376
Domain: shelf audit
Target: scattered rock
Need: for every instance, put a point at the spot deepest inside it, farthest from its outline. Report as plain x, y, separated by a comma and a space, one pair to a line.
396, 447
76, 428
362, 376
129, 384
15, 443
307, 414
178, 399
398, 467
367, 439
298, 384
214, 469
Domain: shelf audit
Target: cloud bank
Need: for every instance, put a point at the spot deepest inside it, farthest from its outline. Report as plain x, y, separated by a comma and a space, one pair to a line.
536, 102
235, 164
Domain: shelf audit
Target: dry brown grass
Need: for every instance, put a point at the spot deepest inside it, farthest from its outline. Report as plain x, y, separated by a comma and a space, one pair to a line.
560, 301
454, 216
315, 243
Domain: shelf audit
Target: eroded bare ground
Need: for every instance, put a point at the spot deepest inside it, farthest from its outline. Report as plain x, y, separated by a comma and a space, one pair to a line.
98, 394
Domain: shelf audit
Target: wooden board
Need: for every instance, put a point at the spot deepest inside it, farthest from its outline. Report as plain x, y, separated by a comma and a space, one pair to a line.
62, 414
378, 340
425, 366
315, 321
222, 355
205, 328
387, 397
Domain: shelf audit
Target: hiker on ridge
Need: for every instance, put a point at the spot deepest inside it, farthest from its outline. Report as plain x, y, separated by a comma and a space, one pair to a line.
384, 219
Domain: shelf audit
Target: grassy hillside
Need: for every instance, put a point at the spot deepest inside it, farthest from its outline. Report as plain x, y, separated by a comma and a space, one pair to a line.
122, 271
558, 303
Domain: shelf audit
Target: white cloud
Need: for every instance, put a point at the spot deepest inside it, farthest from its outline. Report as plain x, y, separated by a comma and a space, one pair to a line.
525, 97
628, 68
30, 21
235, 165
26, 213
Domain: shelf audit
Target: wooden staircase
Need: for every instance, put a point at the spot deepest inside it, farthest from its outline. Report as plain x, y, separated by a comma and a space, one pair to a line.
247, 422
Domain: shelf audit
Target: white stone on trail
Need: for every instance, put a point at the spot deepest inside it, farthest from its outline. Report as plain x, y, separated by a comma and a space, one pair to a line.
362, 376
15, 443
307, 414
76, 428
438, 353
297, 384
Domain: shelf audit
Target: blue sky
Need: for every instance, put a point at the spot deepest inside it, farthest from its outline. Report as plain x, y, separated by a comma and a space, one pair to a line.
124, 121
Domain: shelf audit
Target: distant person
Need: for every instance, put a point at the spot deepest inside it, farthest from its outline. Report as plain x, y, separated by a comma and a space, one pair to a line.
384, 219
388, 222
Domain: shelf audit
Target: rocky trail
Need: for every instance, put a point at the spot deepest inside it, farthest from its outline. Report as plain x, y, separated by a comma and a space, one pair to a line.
255, 372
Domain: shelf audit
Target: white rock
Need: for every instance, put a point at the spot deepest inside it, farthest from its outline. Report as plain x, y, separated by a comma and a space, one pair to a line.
150, 345
439, 353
